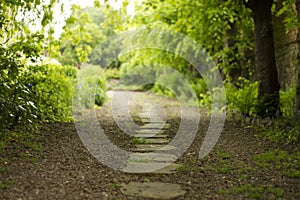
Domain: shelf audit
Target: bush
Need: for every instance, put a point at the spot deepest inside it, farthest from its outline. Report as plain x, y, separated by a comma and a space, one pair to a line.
199, 86
39, 94
203, 94
51, 89
281, 133
242, 96
287, 102
205, 99
91, 86
18, 109
16, 103
171, 83
136, 75
112, 73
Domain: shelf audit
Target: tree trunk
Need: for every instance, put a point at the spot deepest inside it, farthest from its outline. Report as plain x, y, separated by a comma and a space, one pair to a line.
285, 43
268, 92
232, 71
298, 64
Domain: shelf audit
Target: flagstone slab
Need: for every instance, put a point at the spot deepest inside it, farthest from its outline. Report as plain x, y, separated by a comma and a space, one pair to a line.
152, 147
152, 120
149, 131
155, 126
153, 190
157, 141
150, 136
148, 113
151, 157
151, 167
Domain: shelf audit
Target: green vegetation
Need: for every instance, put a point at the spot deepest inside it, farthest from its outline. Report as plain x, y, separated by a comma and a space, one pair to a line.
112, 73
187, 168
190, 166
41, 75
33, 91
6, 183
255, 192
242, 96
81, 35
28, 157
287, 102
136, 140
278, 160
224, 164
281, 132
18, 47
91, 86
51, 87
115, 185
28, 140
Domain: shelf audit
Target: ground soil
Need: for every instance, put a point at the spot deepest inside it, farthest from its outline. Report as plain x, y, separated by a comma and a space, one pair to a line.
64, 169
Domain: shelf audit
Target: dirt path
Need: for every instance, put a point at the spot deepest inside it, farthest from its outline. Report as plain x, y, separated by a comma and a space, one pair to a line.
63, 169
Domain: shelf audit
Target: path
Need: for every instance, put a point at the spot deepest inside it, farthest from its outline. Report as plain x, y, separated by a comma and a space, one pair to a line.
150, 152
153, 134
62, 168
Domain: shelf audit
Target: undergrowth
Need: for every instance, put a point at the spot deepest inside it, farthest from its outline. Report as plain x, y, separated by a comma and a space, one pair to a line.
283, 130
255, 192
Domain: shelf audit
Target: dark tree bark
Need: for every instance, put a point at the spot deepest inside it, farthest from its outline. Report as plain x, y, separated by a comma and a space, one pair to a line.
297, 100
268, 93
232, 72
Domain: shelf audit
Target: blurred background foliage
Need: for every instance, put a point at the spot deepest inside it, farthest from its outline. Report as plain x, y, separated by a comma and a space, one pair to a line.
38, 72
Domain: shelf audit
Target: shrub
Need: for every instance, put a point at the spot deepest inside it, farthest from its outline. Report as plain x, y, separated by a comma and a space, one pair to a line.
112, 73
242, 96
40, 93
51, 89
205, 100
91, 86
199, 86
287, 102
136, 75
283, 130
18, 109
173, 84
16, 104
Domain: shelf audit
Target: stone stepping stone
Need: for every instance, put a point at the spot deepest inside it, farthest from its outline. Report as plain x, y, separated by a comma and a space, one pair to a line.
152, 147
151, 157
151, 167
149, 114
153, 190
149, 131
153, 120
156, 141
155, 126
150, 136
